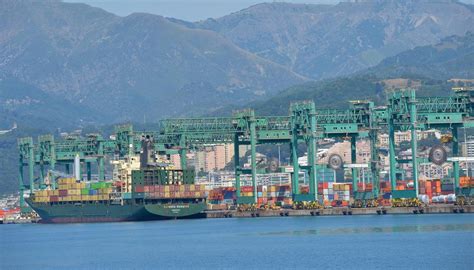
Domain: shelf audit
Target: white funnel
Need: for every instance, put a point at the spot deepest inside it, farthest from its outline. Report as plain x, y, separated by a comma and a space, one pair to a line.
77, 167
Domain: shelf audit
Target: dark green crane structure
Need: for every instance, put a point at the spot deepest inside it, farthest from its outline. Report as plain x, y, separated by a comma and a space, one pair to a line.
49, 154
407, 112
304, 125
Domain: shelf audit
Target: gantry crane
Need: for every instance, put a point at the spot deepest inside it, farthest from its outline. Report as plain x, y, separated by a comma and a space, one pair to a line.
304, 124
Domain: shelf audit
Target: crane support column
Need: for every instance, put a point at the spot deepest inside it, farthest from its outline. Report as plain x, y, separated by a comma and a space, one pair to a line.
182, 159
374, 165
312, 159
294, 160
22, 187
89, 171
237, 165
100, 152
182, 153
414, 148
31, 164
253, 144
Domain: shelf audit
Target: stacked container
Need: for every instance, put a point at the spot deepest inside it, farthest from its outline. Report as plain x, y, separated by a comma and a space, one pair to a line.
172, 191
69, 190
430, 187
246, 191
331, 191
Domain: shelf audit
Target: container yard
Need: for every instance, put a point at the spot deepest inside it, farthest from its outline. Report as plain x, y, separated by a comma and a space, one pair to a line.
145, 179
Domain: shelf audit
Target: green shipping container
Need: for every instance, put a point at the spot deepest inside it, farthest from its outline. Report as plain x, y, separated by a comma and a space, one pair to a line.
85, 191
100, 185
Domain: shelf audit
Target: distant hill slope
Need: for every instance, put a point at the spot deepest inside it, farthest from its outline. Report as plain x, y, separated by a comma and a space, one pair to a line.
322, 41
336, 93
452, 57
128, 67
31, 107
427, 68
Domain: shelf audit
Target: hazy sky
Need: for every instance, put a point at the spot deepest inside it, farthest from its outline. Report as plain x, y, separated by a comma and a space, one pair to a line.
190, 10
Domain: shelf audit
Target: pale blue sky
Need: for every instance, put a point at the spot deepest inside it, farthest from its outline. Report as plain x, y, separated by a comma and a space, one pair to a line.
190, 10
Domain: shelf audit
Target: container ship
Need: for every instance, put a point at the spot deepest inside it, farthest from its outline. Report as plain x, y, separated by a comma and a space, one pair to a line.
139, 191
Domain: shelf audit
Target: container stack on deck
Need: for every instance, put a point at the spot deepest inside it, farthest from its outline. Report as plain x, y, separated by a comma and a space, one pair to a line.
70, 190
173, 191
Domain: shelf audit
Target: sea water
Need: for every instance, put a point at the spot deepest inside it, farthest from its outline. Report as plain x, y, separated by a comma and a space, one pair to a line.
444, 241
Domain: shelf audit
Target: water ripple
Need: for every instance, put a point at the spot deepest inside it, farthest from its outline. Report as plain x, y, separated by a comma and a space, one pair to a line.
370, 230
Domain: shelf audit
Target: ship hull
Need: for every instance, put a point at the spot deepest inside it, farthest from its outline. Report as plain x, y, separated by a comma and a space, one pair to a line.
104, 212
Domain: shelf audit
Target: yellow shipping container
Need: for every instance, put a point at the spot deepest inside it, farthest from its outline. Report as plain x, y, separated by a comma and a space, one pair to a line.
41, 193
181, 188
192, 187
66, 180
167, 189
74, 192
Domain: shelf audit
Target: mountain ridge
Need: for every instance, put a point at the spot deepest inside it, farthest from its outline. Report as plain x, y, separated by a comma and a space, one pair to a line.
132, 62
321, 41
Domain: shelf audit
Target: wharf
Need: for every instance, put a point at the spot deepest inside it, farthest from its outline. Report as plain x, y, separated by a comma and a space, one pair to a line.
338, 211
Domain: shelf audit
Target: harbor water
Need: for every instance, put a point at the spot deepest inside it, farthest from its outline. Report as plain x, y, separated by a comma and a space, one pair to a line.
443, 241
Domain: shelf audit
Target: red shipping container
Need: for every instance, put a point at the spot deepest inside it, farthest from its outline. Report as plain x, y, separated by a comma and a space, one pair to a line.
139, 188
63, 192
54, 198
246, 189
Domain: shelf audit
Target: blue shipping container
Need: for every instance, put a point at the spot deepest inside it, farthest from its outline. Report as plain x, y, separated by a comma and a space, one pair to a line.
228, 195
